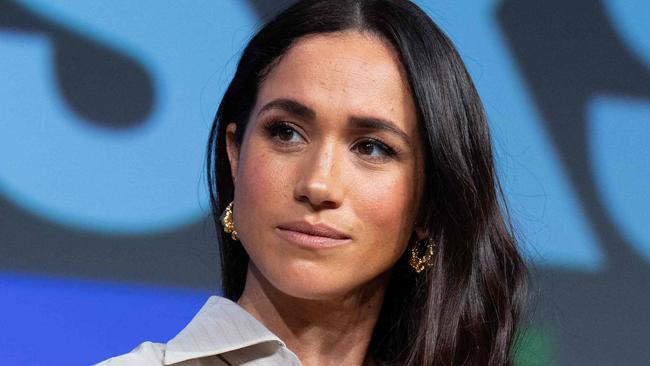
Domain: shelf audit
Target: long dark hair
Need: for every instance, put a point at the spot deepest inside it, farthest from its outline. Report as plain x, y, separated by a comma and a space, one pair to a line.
465, 309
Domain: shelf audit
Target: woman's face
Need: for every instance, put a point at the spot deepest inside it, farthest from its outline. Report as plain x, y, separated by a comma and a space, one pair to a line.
332, 140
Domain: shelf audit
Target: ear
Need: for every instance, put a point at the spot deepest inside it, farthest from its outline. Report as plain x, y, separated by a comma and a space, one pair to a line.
421, 232
421, 226
232, 150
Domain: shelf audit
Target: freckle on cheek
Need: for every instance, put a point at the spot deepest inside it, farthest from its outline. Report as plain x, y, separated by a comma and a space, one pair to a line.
260, 175
256, 178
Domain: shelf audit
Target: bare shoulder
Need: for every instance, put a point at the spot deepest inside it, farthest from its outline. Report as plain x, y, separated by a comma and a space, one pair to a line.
145, 354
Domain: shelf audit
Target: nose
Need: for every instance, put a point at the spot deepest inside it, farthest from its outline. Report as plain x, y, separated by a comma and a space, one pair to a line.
319, 182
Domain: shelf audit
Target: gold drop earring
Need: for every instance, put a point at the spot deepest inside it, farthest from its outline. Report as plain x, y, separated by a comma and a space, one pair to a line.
227, 222
420, 263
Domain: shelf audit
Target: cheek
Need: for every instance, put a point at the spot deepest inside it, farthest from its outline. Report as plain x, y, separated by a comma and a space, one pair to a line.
385, 205
258, 180
258, 193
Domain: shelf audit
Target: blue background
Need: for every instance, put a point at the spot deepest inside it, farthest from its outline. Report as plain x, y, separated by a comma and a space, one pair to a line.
104, 235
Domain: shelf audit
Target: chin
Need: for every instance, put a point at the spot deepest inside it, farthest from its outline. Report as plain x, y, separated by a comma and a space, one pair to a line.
308, 280
313, 281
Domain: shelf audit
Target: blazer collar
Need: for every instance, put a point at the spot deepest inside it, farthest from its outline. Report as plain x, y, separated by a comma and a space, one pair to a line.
220, 326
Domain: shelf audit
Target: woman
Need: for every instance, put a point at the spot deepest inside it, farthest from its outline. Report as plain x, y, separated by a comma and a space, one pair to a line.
351, 168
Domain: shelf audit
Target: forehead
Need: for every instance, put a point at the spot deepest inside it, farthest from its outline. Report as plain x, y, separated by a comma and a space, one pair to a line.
341, 74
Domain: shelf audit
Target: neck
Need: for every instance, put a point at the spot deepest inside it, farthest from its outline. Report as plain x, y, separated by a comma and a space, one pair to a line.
320, 332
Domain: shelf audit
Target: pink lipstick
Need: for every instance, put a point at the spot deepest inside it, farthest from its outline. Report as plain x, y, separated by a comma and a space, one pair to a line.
306, 235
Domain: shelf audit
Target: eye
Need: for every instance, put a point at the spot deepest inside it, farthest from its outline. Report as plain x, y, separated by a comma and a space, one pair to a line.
282, 132
375, 149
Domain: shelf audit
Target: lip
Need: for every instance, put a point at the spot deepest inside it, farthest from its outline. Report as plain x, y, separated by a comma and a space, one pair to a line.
313, 236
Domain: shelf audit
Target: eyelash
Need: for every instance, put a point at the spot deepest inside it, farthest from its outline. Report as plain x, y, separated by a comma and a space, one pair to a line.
273, 128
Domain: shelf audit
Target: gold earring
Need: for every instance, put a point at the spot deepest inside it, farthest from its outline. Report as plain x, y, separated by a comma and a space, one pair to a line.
420, 263
227, 222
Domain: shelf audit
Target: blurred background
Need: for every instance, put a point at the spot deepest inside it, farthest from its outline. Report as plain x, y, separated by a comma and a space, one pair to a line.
105, 109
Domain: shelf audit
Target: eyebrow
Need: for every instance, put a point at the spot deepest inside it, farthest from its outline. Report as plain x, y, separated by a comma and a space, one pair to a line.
374, 123
290, 106
360, 122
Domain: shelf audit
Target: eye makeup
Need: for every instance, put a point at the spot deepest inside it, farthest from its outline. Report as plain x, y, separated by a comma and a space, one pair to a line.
285, 133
